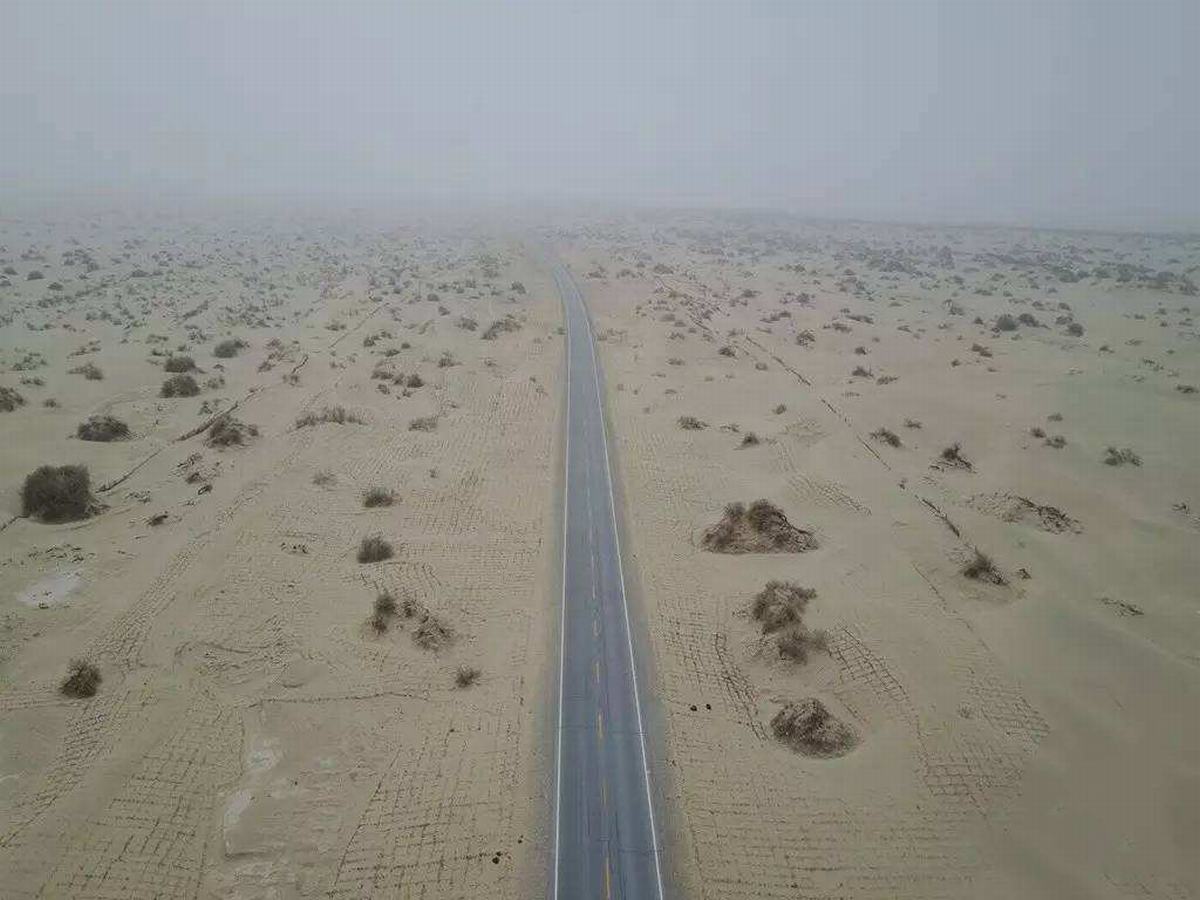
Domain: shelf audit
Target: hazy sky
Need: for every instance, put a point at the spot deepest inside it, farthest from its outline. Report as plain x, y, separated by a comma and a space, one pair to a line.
1050, 112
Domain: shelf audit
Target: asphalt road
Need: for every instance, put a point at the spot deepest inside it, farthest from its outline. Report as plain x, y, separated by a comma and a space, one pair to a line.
605, 839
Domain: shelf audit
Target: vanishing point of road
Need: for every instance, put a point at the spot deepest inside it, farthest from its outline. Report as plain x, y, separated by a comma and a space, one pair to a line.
605, 843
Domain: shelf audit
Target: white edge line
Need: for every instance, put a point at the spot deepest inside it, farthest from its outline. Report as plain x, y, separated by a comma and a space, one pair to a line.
637, 701
562, 619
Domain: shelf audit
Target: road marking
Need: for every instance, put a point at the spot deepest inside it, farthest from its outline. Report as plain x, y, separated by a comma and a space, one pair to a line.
562, 638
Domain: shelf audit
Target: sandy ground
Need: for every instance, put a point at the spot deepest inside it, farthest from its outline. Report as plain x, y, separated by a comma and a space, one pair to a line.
253, 736
1033, 739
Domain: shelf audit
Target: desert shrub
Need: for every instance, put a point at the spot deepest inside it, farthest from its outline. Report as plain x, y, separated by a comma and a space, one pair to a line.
1029, 319
229, 348
90, 371
1057, 442
691, 423
1037, 432
981, 568
378, 496
499, 327
750, 439
424, 423
83, 678
912, 423
780, 603
179, 364
952, 456
1186, 388
10, 399
446, 360
809, 728
1115, 457
727, 351
797, 642
780, 409
805, 338
179, 386
385, 604
862, 372
414, 381
431, 633
336, 415
887, 436
229, 432
374, 549
58, 494
1074, 329
763, 528
102, 428
466, 676
324, 478
1005, 322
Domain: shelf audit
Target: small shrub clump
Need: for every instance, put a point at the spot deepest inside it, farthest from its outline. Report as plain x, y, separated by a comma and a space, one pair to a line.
10, 399
424, 423
90, 371
374, 549
952, 456
179, 364
102, 428
335, 415
83, 678
982, 568
763, 528
466, 676
229, 432
230, 348
691, 423
888, 437
179, 386
58, 494
378, 496
1115, 457
809, 728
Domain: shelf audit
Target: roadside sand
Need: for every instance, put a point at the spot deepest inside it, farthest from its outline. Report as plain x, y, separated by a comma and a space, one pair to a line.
1032, 739
252, 735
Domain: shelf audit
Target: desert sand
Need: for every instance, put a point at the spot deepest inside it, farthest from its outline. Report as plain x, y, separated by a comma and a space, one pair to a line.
265, 727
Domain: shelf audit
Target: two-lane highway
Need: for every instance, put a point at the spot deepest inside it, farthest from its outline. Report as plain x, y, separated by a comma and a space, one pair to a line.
606, 845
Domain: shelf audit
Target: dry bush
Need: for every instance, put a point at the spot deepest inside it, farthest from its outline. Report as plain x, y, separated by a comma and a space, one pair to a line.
750, 439
691, 423
727, 351
179, 364
229, 432
1115, 457
805, 338
780, 409
179, 386
385, 604
952, 456
763, 528
378, 496
797, 642
58, 494
888, 437
500, 326
432, 633
83, 678
335, 415
912, 423
1005, 322
982, 568
1057, 442
324, 478
374, 549
1074, 329
379, 623
413, 381
466, 676
90, 371
102, 428
862, 372
10, 399
809, 728
1037, 432
230, 348
424, 423
780, 603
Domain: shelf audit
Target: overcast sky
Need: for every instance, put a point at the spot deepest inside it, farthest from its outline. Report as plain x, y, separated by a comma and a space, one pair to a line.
1079, 114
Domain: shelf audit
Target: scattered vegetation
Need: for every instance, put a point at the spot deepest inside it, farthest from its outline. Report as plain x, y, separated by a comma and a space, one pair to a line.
10, 399
1115, 457
501, 326
888, 437
779, 604
58, 494
374, 549
763, 528
981, 568
750, 439
809, 728
952, 456
230, 432
691, 423
424, 423
378, 496
466, 676
336, 415
179, 364
90, 371
83, 678
179, 386
102, 428
229, 348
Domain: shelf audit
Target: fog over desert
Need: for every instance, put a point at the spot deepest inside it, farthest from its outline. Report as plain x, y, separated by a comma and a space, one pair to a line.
580, 450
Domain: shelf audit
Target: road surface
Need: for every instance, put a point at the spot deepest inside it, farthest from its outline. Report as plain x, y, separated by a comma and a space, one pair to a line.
605, 840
